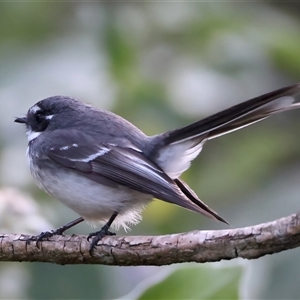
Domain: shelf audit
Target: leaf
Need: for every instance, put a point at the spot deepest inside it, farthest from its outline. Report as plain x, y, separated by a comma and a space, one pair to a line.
204, 282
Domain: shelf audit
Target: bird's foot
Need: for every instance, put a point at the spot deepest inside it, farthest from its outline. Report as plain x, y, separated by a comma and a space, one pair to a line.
43, 236
97, 236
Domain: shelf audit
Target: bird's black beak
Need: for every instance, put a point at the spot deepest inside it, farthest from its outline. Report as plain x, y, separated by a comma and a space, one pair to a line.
21, 120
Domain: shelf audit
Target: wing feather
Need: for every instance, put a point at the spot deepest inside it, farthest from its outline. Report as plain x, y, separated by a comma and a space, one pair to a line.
113, 165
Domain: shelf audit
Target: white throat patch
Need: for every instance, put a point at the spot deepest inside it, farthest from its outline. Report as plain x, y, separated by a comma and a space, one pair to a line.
31, 135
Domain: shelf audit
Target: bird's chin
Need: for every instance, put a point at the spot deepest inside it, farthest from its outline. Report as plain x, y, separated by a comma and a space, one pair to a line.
31, 135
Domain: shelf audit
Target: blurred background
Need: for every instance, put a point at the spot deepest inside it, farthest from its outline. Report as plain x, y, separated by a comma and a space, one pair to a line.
161, 66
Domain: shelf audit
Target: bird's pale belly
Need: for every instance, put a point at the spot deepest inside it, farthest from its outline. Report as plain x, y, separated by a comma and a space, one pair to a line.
93, 201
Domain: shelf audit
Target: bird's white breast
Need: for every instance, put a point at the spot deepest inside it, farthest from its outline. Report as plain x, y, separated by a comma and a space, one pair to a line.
91, 200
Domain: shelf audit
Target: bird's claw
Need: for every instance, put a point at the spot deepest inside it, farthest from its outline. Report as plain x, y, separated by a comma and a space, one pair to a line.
97, 236
45, 235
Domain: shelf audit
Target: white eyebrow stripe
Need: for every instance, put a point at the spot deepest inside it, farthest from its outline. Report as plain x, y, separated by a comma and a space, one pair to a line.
49, 117
34, 109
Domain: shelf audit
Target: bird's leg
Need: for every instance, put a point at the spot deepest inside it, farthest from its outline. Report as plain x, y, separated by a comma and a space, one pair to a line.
59, 231
98, 235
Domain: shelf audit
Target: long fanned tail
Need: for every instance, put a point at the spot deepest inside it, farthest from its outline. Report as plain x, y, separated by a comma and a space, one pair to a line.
174, 150
238, 116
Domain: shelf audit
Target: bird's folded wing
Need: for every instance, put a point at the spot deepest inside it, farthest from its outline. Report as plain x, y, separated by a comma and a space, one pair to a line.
124, 166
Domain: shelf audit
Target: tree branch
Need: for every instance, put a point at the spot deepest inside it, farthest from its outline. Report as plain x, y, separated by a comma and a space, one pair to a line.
196, 246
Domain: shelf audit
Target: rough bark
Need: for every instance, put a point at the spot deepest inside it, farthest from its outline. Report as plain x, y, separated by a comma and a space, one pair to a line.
196, 246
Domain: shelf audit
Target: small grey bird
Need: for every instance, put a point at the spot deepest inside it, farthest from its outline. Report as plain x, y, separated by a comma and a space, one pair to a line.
107, 170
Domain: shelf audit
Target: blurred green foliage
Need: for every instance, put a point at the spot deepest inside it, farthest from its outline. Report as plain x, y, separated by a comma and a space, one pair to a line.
197, 283
29, 23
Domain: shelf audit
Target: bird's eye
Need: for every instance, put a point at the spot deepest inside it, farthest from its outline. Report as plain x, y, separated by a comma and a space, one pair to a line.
39, 117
